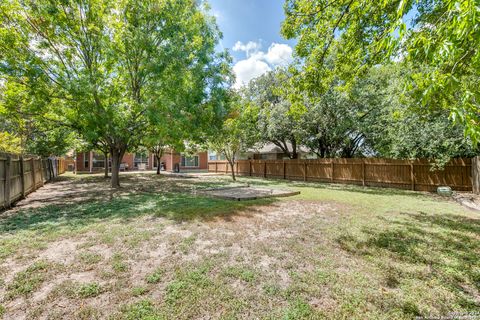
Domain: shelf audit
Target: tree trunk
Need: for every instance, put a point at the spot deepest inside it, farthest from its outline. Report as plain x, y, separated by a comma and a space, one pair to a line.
232, 165
117, 155
322, 152
158, 163
294, 149
105, 154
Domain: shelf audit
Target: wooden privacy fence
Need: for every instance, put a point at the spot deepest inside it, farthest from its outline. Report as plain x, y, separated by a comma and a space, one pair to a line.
404, 174
21, 175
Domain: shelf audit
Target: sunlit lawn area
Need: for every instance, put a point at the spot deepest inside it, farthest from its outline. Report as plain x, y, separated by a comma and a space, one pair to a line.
155, 249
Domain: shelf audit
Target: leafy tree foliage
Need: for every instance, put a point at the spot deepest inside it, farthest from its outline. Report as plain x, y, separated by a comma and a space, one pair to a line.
374, 117
331, 125
9, 143
277, 123
30, 134
395, 130
441, 37
158, 138
238, 131
108, 69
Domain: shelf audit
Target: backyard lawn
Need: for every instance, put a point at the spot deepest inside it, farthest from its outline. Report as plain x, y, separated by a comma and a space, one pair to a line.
156, 249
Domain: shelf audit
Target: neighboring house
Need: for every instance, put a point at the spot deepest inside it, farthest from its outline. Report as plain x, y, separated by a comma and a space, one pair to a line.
268, 151
91, 161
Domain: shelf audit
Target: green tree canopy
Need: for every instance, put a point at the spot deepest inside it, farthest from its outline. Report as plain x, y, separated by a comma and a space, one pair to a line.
109, 69
277, 120
440, 37
238, 130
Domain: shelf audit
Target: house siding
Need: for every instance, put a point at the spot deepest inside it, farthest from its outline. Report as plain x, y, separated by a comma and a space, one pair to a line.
169, 158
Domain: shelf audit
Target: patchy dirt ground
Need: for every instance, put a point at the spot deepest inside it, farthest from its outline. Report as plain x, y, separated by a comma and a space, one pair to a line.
468, 200
155, 249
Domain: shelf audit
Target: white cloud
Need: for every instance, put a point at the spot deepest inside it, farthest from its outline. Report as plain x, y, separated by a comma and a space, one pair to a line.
279, 54
248, 69
259, 62
249, 48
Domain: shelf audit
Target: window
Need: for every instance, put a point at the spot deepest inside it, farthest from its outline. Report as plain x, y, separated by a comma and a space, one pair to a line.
189, 161
98, 160
86, 157
213, 156
140, 158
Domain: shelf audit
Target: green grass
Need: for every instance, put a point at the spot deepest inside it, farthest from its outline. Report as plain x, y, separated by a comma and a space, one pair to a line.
139, 291
155, 276
118, 263
89, 290
2, 311
241, 273
143, 309
335, 252
26, 282
89, 258
187, 244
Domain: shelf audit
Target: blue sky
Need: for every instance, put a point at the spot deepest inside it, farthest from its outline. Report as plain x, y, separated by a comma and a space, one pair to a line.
251, 32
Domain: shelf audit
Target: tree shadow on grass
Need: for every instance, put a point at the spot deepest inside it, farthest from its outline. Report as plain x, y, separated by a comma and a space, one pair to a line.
174, 206
447, 245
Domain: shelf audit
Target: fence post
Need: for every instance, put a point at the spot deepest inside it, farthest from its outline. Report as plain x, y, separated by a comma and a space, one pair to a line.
236, 167
476, 175
22, 175
332, 166
41, 171
8, 177
412, 175
34, 178
265, 169
363, 172
48, 172
216, 166
50, 167
284, 170
304, 170
250, 168
46, 166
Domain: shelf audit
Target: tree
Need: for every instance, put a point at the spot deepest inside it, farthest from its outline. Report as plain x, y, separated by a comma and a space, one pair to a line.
235, 133
439, 37
331, 125
105, 68
27, 133
395, 129
9, 143
158, 138
376, 116
276, 122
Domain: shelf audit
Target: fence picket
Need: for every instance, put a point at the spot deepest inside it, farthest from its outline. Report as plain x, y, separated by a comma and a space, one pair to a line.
8, 177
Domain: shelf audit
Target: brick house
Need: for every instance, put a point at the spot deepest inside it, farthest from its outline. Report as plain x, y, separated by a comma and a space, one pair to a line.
90, 161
